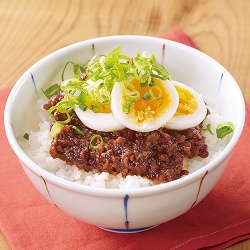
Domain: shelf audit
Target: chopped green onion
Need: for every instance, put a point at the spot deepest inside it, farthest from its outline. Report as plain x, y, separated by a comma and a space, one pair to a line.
64, 106
91, 84
77, 69
102, 97
118, 71
96, 141
130, 91
147, 96
153, 59
67, 120
141, 76
26, 136
159, 92
126, 107
112, 56
83, 106
78, 131
152, 82
82, 96
60, 110
208, 129
128, 60
55, 129
95, 109
51, 91
224, 129
160, 72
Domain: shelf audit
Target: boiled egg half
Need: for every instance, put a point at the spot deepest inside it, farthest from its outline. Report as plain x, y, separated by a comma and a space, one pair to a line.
98, 121
101, 119
171, 104
191, 110
144, 108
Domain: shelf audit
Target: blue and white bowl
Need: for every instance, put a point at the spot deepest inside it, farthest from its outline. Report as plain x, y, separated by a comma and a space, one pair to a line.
127, 210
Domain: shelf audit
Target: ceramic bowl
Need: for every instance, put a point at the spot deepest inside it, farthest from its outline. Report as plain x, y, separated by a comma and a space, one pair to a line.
127, 210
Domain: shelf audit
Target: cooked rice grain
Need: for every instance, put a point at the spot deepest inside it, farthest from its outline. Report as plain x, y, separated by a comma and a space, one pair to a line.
38, 151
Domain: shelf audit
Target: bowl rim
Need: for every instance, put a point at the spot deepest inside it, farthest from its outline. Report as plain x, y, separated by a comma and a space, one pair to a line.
119, 192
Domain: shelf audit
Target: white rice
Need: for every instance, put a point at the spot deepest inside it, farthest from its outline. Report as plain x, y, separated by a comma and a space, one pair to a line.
39, 144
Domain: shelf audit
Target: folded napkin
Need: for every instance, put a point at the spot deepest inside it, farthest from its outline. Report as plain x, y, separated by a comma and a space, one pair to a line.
28, 221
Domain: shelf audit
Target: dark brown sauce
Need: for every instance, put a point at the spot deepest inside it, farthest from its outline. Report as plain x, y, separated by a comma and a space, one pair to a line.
157, 155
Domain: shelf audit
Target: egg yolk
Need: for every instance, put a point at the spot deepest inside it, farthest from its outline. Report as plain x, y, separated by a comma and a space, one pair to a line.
104, 109
97, 108
149, 109
187, 102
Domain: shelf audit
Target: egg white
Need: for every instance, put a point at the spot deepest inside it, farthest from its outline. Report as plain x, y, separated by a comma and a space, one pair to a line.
98, 121
146, 126
181, 122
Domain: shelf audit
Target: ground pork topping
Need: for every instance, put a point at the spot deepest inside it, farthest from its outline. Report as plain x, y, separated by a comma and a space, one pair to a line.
157, 155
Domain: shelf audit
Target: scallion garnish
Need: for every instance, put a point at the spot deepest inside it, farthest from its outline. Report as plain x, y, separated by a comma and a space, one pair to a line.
126, 107
60, 110
118, 71
51, 91
102, 97
224, 129
55, 129
130, 91
78, 131
155, 92
96, 141
147, 96
78, 69
83, 106
208, 129
26, 136
95, 109
91, 84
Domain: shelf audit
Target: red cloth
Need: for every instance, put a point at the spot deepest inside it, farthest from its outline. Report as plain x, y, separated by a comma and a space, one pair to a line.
28, 221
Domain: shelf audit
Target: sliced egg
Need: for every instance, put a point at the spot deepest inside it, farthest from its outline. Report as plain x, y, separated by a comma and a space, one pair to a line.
191, 110
147, 108
98, 121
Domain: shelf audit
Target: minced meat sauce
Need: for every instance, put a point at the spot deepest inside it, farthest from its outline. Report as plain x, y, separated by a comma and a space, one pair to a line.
157, 155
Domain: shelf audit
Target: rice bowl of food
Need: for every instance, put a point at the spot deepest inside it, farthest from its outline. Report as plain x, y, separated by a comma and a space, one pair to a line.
125, 132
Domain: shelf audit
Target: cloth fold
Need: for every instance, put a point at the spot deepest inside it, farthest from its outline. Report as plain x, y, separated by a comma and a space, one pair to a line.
28, 221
